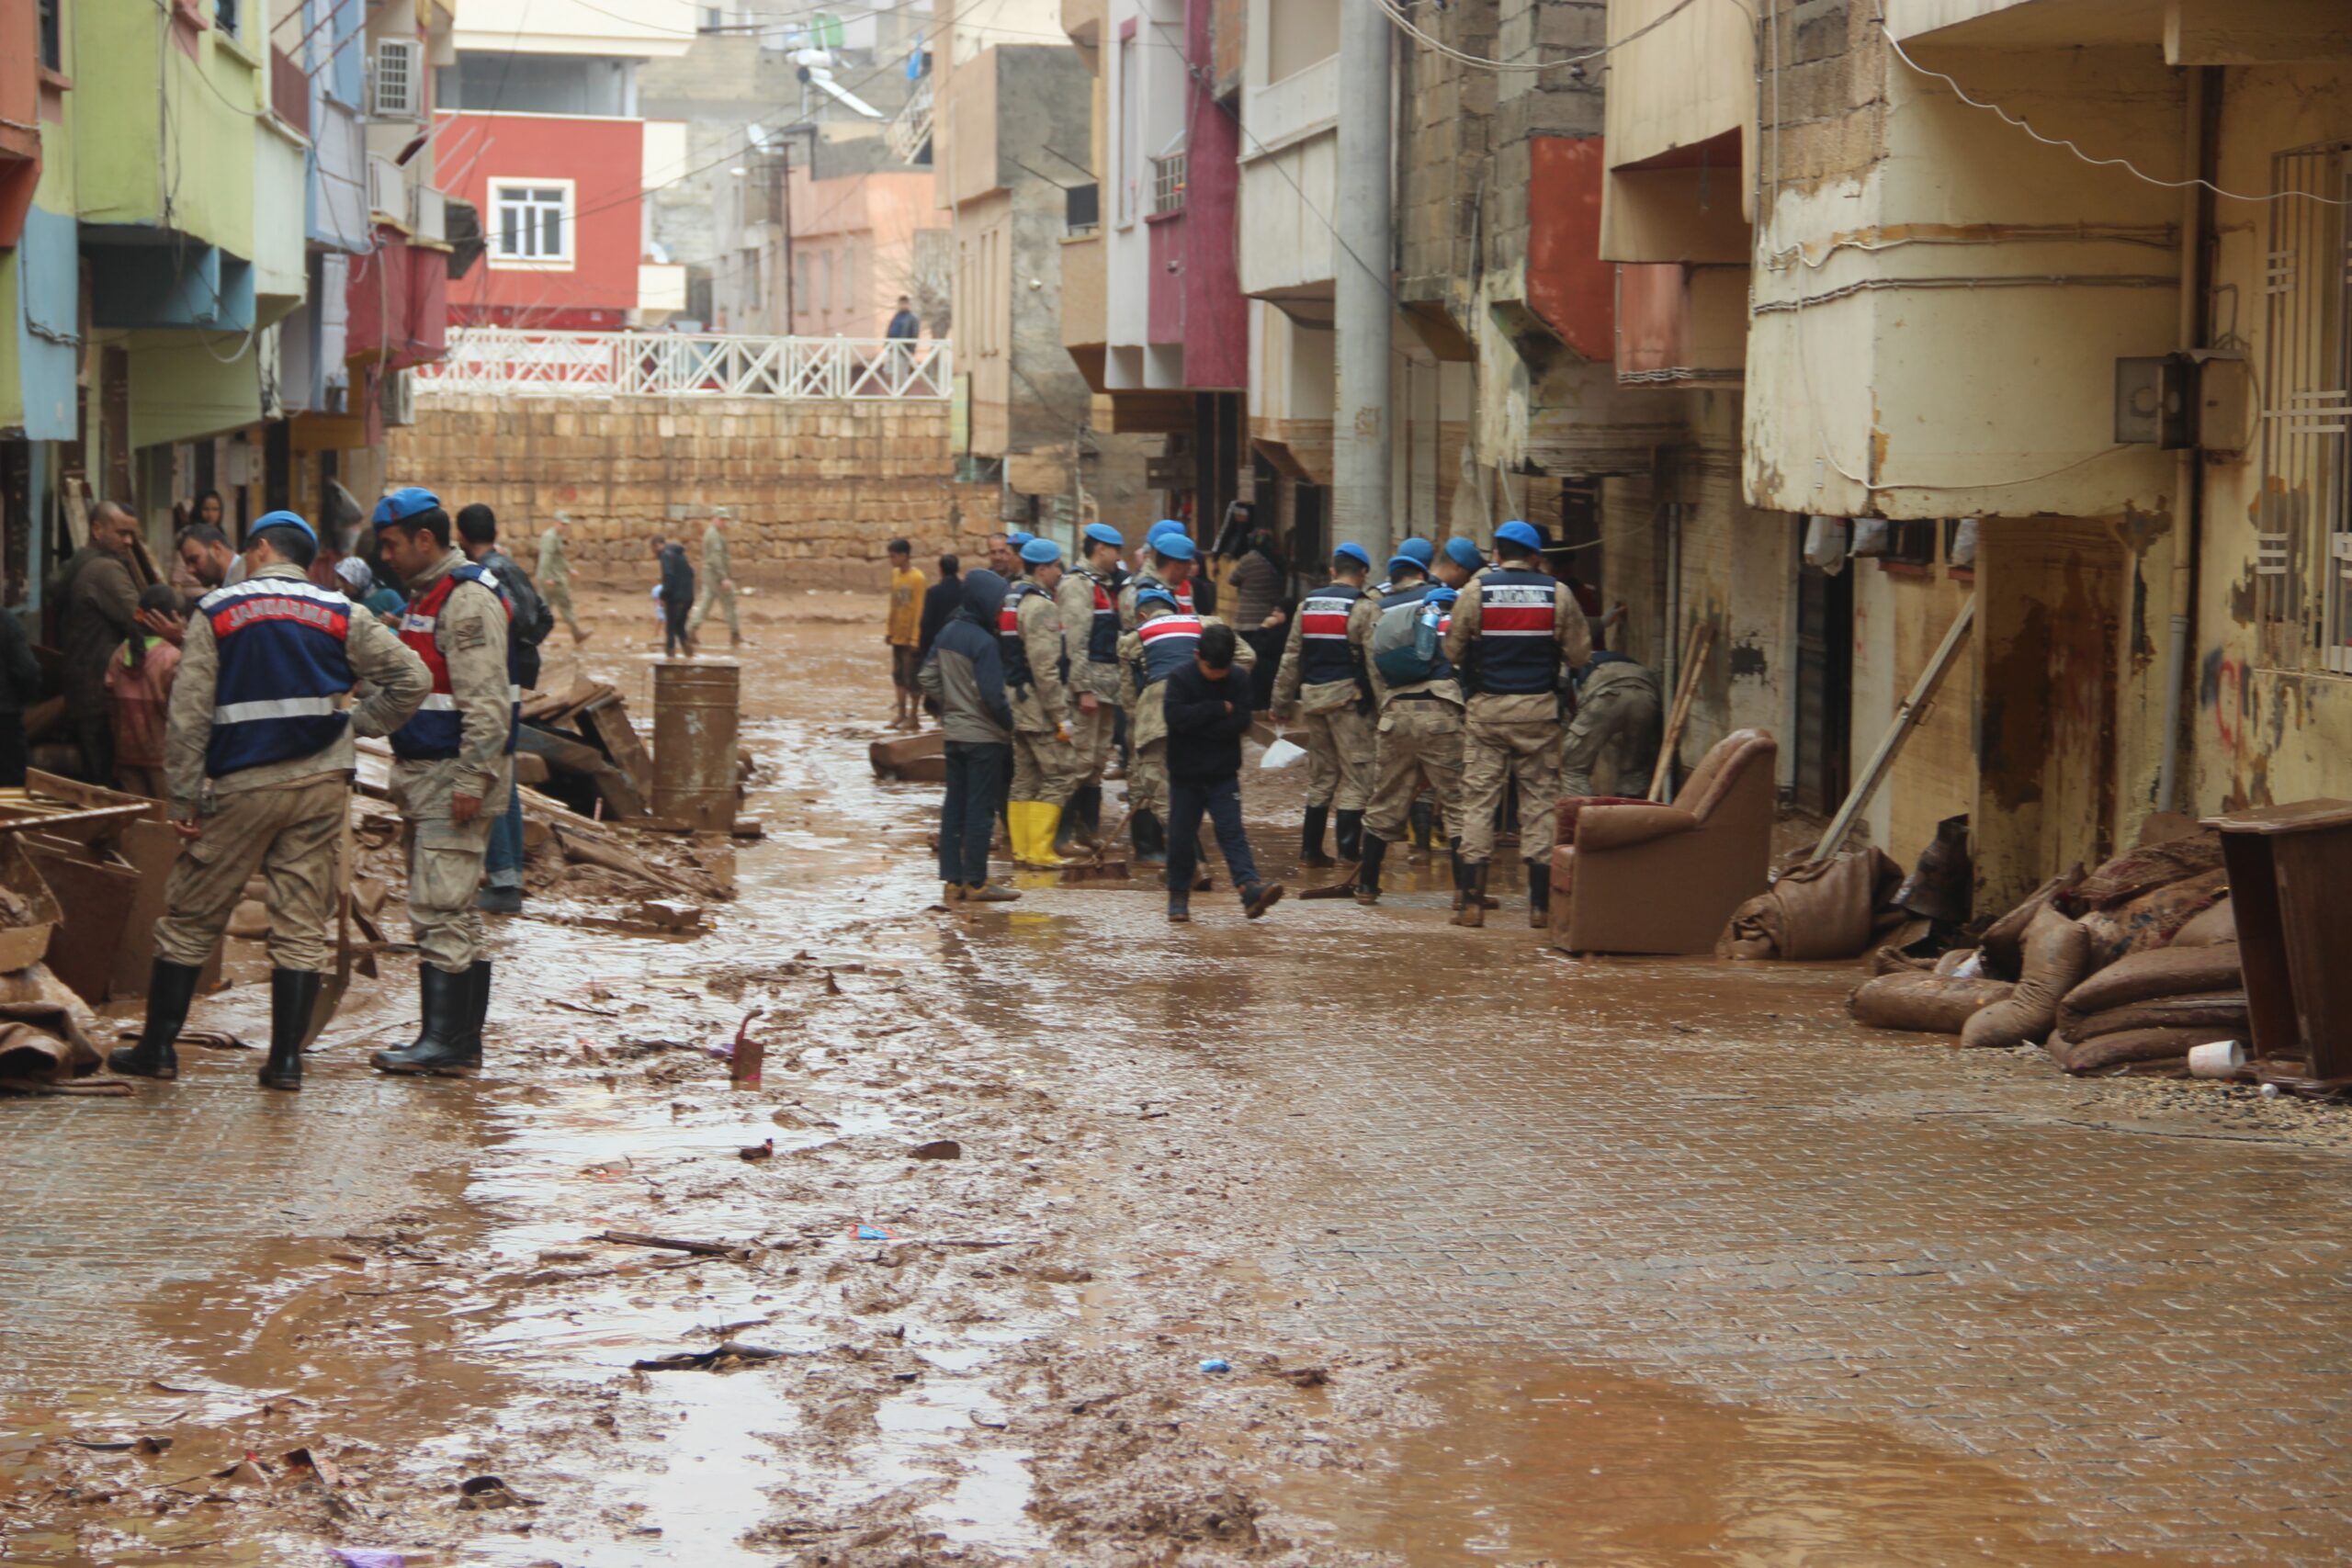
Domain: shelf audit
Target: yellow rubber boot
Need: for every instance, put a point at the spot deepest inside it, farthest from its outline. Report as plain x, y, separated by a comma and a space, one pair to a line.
1033, 836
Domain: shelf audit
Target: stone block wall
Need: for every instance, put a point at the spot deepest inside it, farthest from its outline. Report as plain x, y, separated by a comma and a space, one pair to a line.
815, 490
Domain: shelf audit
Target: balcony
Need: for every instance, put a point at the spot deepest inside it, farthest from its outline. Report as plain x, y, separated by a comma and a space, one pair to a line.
289, 90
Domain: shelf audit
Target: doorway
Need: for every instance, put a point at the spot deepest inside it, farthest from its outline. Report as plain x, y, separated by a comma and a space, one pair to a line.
1824, 687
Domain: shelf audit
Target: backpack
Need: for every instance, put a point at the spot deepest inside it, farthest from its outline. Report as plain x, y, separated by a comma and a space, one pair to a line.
1404, 644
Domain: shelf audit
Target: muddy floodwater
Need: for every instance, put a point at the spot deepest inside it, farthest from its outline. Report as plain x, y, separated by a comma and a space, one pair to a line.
1343, 1237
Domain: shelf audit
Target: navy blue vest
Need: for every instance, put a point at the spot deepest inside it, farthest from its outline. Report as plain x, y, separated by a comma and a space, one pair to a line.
1323, 652
1519, 642
1017, 673
1169, 642
1103, 631
439, 731
283, 663
1403, 601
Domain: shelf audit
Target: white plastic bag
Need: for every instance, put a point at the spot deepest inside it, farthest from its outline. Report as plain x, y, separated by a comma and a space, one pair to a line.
1825, 543
1871, 537
1281, 754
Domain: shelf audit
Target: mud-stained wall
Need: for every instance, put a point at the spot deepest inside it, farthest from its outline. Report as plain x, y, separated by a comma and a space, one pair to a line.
2270, 722
2049, 602
817, 490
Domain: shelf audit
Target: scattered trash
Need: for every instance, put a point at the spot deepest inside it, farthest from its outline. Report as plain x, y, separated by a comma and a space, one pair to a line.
939, 1148
670, 914
1217, 1364
1304, 1377
759, 1151
366, 1557
677, 1244
2270, 1091
727, 1354
317, 1464
871, 1233
490, 1492
749, 1055
2220, 1059
1281, 754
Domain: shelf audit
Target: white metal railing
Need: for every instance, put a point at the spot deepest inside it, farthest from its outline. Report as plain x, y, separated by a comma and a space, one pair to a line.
690, 365
907, 133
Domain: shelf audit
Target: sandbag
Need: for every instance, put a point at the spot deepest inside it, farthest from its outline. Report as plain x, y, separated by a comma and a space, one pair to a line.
2055, 954
2111, 1052
2003, 940
1827, 910
2164, 972
2153, 918
2223, 1012
2216, 925
2144, 870
1924, 1004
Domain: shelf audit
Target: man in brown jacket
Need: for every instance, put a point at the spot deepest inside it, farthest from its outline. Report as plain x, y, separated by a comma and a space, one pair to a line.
100, 610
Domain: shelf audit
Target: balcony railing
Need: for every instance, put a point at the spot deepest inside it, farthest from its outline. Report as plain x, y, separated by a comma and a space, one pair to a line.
289, 90
502, 360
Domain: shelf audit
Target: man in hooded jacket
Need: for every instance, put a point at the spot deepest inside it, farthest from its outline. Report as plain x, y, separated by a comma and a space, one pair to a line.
964, 674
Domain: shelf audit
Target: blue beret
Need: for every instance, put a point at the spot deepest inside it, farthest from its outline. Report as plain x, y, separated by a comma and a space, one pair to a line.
286, 520
1420, 552
1465, 554
404, 504
1016, 539
1103, 533
1439, 595
1413, 563
1164, 527
1520, 534
1173, 546
1041, 552
1355, 553
1155, 596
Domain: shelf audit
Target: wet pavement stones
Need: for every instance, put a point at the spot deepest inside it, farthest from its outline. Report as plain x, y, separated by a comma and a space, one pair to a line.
1377, 1133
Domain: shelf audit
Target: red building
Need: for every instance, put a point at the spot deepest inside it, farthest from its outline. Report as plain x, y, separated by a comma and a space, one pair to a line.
561, 203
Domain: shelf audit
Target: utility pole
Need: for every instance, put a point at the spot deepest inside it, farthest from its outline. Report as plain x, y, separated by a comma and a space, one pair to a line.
1362, 423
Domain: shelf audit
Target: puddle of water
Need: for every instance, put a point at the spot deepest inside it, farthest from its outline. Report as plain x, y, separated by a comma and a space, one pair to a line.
1592, 1467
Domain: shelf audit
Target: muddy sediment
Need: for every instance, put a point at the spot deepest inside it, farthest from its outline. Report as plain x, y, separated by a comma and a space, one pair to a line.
1206, 1281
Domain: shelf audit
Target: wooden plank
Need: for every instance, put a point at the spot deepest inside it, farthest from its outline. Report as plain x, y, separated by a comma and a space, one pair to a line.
96, 898
1907, 718
607, 718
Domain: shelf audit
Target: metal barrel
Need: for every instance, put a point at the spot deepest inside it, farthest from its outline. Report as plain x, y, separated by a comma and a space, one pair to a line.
694, 744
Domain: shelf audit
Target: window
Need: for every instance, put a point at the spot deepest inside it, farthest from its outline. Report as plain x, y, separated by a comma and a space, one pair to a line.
1082, 210
530, 224
52, 51
224, 16
1168, 183
2303, 519
1130, 124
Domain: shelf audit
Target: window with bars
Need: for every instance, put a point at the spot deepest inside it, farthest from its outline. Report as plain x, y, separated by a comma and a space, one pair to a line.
1167, 184
2303, 513
531, 222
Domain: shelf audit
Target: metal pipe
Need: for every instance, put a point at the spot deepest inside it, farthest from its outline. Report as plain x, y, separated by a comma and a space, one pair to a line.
1363, 307
2200, 111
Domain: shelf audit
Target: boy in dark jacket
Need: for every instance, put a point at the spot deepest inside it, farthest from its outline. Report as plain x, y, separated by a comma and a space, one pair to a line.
1209, 713
963, 673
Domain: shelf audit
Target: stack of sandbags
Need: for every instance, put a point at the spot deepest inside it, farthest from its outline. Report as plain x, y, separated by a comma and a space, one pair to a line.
2145, 1013
2139, 900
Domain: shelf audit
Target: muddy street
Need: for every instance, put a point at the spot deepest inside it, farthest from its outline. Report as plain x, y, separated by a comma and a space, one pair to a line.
1054, 1234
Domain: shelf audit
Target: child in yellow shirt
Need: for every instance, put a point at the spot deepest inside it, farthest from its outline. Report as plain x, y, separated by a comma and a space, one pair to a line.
904, 632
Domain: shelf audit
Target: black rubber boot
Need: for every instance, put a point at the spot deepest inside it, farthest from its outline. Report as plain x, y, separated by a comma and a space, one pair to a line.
293, 995
1474, 898
1066, 829
1310, 840
478, 1010
1422, 815
1350, 837
1539, 895
440, 1046
1090, 802
1150, 839
1179, 906
1375, 850
170, 987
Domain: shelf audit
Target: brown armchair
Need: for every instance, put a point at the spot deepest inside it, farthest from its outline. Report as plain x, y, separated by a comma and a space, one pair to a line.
1637, 878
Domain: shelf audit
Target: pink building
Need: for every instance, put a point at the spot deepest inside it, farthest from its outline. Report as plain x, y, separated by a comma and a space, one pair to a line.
858, 243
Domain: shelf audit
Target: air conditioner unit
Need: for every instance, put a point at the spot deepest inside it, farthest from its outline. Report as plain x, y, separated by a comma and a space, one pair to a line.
396, 90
